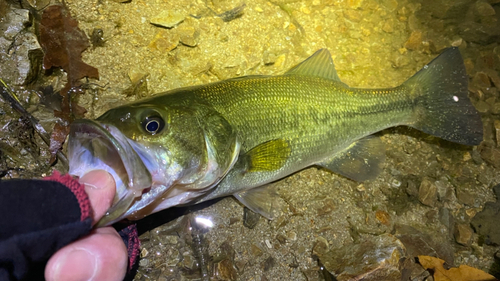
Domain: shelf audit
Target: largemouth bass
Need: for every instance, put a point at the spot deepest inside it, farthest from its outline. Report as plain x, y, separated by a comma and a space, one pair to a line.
234, 137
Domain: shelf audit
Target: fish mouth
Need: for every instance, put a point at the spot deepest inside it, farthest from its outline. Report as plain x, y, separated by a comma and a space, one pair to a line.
92, 146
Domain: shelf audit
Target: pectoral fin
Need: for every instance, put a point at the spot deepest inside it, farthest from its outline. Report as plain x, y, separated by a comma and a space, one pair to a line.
268, 156
361, 161
262, 200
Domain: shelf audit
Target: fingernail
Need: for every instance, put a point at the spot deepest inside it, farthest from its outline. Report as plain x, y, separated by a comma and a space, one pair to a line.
78, 264
97, 179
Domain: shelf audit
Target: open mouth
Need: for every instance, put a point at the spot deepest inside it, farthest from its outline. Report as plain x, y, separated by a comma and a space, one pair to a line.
94, 146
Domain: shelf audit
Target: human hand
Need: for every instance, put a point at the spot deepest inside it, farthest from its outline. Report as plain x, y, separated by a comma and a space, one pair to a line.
101, 255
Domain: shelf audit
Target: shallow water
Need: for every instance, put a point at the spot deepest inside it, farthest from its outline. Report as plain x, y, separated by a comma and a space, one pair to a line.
374, 44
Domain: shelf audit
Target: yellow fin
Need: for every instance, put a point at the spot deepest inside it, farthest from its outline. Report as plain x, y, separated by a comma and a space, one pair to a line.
361, 161
268, 156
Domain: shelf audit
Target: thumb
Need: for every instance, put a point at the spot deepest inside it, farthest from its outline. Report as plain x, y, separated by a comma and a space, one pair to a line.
100, 187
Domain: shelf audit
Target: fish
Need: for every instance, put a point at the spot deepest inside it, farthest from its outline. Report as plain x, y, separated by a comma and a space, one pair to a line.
239, 136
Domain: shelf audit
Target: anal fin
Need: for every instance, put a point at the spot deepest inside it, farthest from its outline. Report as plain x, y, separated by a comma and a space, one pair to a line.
262, 200
361, 161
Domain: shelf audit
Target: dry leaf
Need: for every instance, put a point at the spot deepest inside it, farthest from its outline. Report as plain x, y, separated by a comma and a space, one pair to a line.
63, 43
462, 273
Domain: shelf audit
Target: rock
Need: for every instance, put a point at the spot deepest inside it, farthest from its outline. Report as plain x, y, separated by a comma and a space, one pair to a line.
168, 19
225, 270
255, 251
24, 54
444, 9
485, 223
16, 21
353, 15
447, 219
268, 263
388, 26
165, 41
250, 218
481, 33
269, 58
496, 124
281, 238
463, 234
414, 41
481, 80
482, 106
372, 258
427, 193
188, 35
445, 191
464, 196
383, 217
484, 9
417, 242
494, 77
491, 155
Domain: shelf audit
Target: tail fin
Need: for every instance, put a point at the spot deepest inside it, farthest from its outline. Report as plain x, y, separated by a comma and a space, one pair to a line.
443, 108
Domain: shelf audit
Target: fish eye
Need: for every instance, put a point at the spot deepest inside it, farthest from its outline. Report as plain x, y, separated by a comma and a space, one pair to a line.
153, 124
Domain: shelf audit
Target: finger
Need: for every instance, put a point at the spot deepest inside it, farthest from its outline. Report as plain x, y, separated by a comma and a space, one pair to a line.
99, 256
100, 187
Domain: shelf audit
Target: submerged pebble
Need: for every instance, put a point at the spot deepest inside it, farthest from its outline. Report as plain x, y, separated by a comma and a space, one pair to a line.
168, 19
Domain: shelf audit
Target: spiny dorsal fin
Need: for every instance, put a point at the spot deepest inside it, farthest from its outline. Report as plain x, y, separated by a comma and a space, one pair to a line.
361, 161
268, 156
320, 64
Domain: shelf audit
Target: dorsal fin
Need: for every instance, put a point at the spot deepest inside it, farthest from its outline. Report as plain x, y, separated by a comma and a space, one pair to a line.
320, 64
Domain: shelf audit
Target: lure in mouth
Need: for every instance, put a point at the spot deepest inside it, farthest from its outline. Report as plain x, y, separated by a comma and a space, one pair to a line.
94, 146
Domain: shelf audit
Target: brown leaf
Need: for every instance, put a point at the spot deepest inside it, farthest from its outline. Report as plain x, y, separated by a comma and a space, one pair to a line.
63, 43
462, 273
57, 138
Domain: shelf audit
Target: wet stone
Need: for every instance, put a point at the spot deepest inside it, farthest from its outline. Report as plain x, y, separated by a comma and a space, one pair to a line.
373, 257
268, 263
188, 35
491, 155
353, 15
167, 19
464, 196
417, 242
255, 251
281, 238
269, 58
165, 41
20, 60
427, 193
445, 191
481, 80
496, 124
250, 218
485, 223
225, 270
414, 41
16, 21
463, 234
494, 77
484, 9
445, 217
482, 106
291, 235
